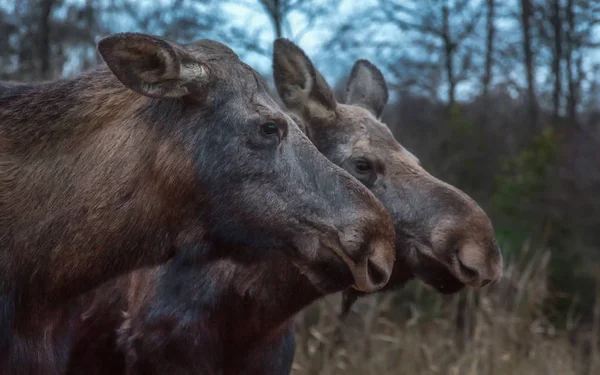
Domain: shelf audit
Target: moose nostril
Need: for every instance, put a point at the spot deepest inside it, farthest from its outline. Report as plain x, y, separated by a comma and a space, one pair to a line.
468, 272
485, 282
376, 274
373, 272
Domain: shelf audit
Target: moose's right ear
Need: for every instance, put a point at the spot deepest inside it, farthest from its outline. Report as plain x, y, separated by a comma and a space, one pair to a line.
150, 65
367, 88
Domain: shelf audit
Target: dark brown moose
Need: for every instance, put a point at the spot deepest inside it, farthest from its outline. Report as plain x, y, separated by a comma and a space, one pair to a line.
235, 316
167, 149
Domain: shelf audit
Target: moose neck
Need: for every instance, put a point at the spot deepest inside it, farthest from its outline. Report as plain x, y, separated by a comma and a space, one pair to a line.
48, 116
246, 302
76, 159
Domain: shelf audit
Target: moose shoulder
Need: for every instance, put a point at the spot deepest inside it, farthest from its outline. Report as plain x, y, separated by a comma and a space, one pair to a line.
166, 147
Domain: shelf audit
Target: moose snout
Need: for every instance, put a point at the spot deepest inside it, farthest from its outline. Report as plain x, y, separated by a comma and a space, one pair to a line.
479, 266
366, 238
373, 271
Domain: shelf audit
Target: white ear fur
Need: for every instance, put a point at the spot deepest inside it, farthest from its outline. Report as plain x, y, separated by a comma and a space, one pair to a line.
191, 72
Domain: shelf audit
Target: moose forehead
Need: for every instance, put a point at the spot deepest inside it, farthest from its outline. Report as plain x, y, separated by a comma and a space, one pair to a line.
224, 64
368, 136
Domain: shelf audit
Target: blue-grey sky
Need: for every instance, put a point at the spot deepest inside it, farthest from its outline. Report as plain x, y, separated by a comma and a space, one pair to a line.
312, 35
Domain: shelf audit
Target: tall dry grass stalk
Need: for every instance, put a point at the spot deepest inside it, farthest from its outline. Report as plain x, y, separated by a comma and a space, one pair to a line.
497, 330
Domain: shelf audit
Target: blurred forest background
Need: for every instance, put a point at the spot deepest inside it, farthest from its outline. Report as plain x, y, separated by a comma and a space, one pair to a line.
500, 98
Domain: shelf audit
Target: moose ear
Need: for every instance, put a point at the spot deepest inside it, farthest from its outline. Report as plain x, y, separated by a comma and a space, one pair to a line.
150, 65
367, 88
301, 87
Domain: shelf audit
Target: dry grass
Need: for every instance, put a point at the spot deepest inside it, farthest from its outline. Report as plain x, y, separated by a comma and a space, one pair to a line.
505, 332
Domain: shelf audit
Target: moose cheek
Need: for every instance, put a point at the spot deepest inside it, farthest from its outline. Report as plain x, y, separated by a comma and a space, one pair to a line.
367, 179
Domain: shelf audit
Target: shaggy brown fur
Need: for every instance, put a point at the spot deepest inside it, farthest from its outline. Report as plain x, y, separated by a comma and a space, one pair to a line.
230, 317
170, 147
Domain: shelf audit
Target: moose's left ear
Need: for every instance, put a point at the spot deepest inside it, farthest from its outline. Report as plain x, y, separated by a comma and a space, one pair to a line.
367, 88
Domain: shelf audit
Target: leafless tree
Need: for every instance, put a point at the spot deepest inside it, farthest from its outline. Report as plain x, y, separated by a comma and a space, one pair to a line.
444, 24
557, 56
44, 36
582, 17
529, 63
489, 45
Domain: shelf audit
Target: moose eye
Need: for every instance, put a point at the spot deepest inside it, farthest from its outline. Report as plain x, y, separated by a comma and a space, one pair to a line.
362, 165
269, 128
